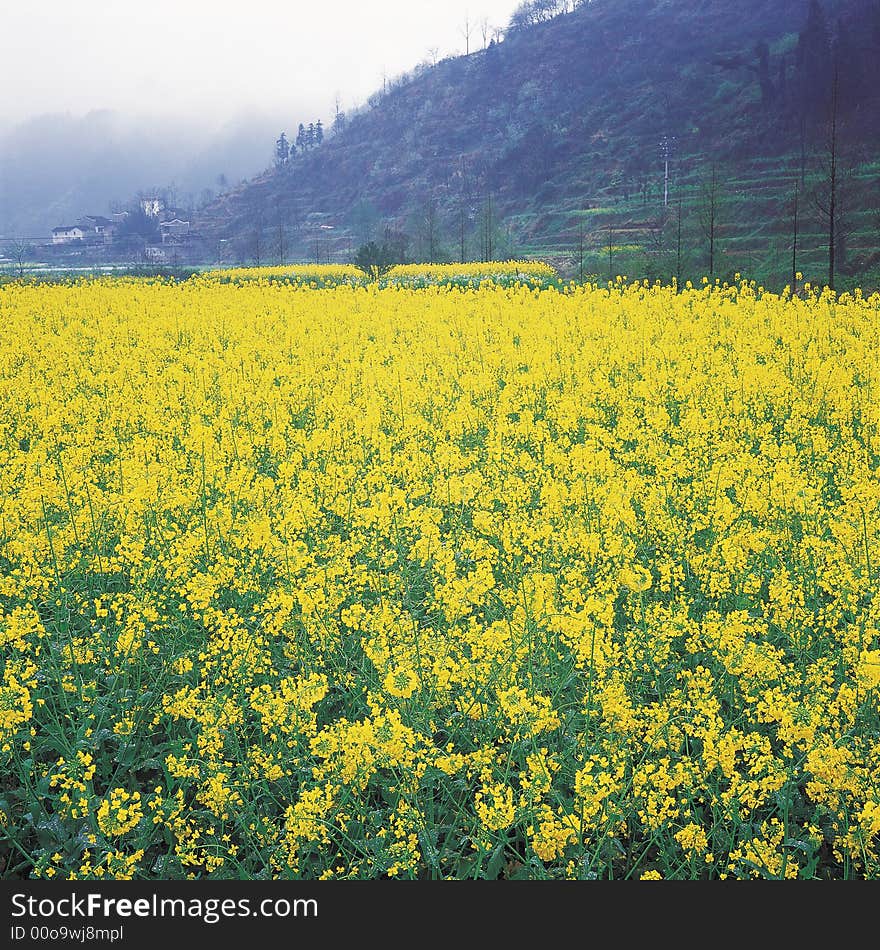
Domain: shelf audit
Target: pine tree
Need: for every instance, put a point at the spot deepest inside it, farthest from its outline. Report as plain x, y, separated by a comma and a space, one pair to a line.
282, 151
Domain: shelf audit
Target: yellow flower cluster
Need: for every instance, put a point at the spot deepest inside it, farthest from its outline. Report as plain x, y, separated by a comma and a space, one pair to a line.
296, 273
362, 581
522, 269
120, 812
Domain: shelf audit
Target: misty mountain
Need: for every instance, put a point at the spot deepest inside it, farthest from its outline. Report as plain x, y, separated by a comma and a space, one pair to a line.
56, 168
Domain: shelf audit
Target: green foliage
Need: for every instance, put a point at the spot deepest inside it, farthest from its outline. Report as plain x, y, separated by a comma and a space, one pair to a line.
375, 259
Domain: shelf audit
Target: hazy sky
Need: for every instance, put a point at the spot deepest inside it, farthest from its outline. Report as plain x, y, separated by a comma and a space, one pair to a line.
217, 58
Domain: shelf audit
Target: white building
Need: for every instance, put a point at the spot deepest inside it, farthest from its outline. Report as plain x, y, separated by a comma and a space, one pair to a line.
66, 234
173, 231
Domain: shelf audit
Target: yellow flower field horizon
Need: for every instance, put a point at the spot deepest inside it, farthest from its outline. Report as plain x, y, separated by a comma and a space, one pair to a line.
497, 581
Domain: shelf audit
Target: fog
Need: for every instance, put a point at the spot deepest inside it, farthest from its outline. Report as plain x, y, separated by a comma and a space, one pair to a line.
214, 59
56, 167
103, 98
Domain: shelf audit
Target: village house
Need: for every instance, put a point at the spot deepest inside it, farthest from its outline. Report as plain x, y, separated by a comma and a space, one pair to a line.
174, 231
100, 226
91, 229
67, 233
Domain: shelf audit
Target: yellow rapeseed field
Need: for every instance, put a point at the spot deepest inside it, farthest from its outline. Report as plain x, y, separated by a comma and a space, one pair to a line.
438, 583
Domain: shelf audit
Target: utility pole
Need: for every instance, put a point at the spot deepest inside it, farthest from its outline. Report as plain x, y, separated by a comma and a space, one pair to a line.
665, 146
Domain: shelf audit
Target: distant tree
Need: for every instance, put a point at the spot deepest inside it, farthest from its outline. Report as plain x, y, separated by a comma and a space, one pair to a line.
397, 244
533, 12
485, 30
429, 229
580, 248
282, 151
795, 234
610, 249
338, 117
521, 17
254, 240
374, 259
832, 191
710, 195
310, 135
301, 137
319, 132
462, 231
487, 229
466, 32
282, 219
19, 251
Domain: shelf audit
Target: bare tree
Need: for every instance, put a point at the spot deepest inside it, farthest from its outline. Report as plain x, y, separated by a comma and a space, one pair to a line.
466, 31
19, 250
430, 228
829, 197
256, 242
581, 247
832, 183
485, 30
487, 230
709, 214
610, 249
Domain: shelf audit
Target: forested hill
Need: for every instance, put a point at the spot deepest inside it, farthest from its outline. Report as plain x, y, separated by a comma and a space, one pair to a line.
553, 142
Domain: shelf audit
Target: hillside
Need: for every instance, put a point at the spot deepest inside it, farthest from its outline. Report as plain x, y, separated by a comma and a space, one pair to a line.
549, 143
